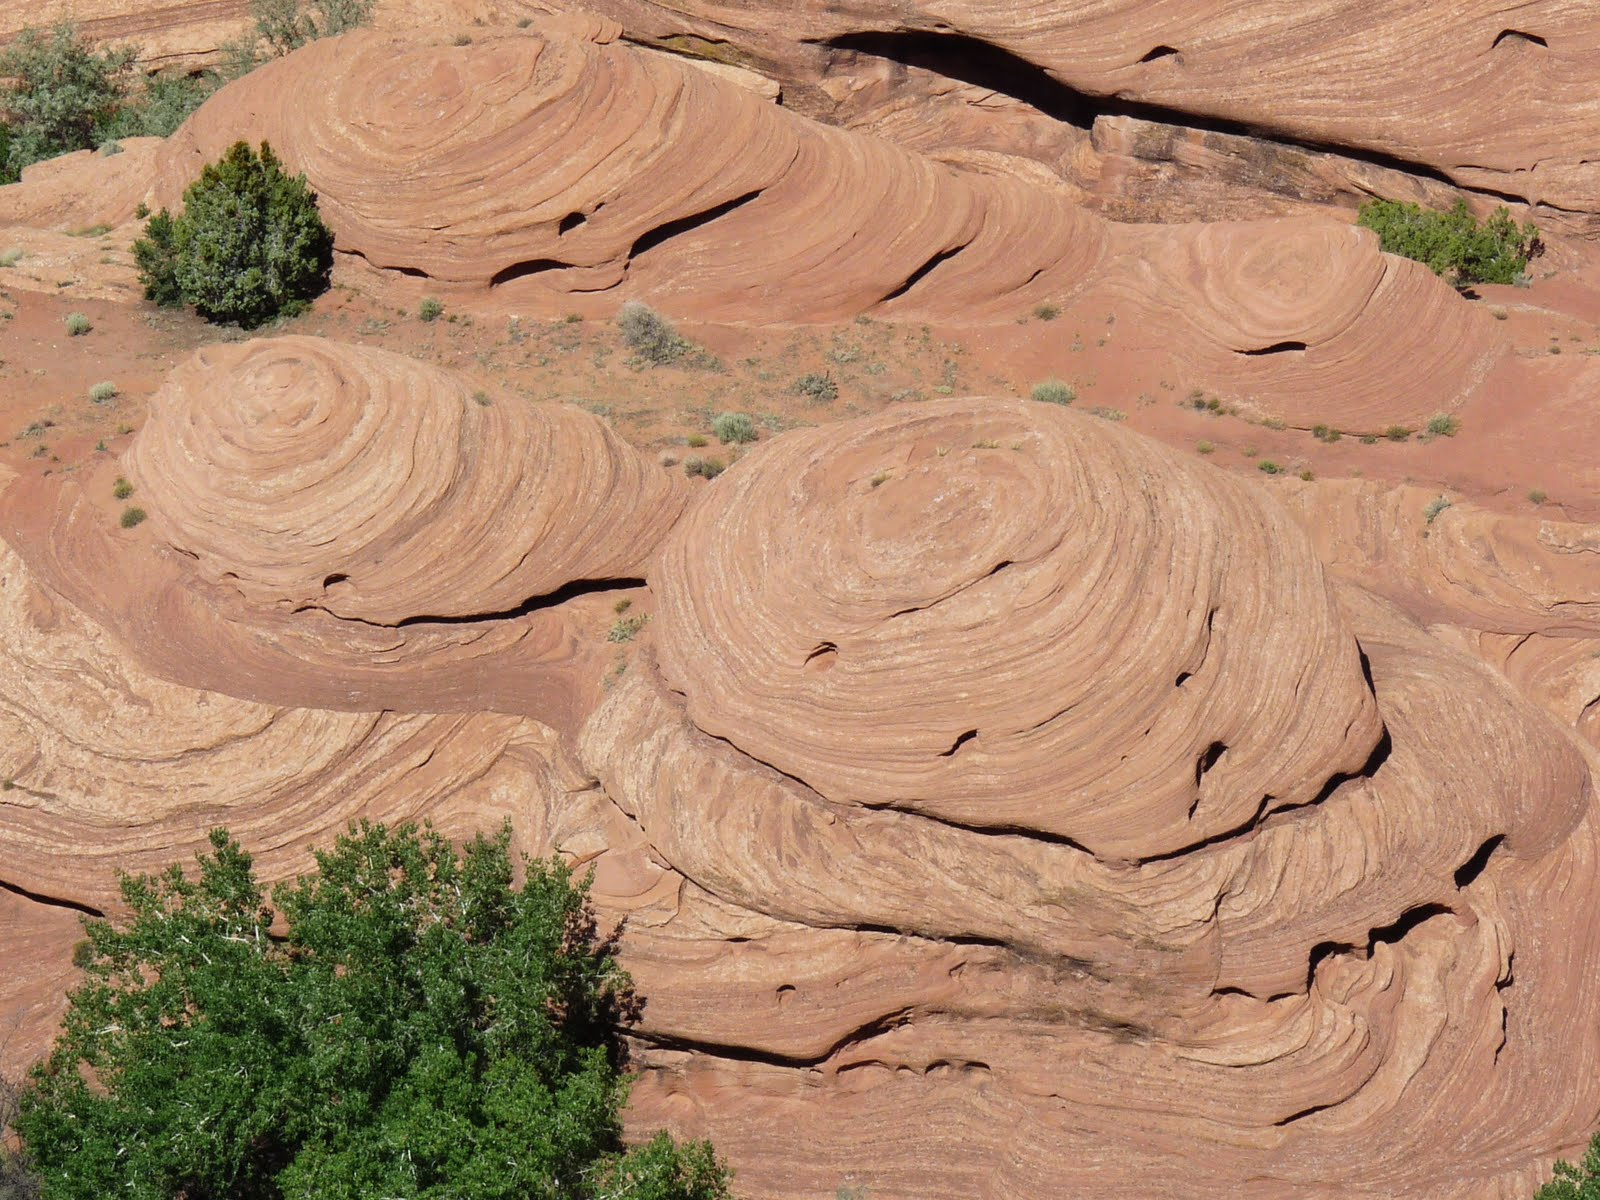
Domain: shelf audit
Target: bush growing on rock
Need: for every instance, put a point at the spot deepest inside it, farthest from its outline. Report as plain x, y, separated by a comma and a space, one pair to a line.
1580, 1182
248, 246
425, 1028
64, 95
1452, 244
61, 96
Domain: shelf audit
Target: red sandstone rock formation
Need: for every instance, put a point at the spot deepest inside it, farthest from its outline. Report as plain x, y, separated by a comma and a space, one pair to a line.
1000, 804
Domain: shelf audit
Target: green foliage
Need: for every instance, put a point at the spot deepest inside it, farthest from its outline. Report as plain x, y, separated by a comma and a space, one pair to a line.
703, 468
1453, 244
18, 1181
1053, 391
132, 517
248, 246
649, 335
156, 255
425, 1029
102, 392
162, 104
1581, 1182
286, 25
430, 310
1443, 425
121, 489
78, 324
817, 387
1434, 507
625, 629
734, 428
61, 96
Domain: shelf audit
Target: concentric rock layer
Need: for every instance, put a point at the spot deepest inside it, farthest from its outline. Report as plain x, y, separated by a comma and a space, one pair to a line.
377, 488
556, 167
962, 617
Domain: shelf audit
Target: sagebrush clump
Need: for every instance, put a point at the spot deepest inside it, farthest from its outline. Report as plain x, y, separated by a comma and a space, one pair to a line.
651, 337
1452, 243
249, 245
734, 428
1053, 391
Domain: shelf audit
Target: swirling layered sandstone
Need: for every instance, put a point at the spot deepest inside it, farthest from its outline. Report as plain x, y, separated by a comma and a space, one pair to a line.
106, 767
632, 174
1410, 81
953, 607
982, 713
367, 484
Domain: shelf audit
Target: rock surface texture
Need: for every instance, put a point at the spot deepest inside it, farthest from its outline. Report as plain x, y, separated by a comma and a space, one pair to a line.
997, 802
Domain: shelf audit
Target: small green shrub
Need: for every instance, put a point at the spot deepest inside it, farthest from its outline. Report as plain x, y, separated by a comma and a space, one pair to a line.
1435, 506
734, 428
78, 324
11, 256
286, 25
248, 247
1538, 496
101, 392
817, 387
1053, 391
132, 517
162, 103
1047, 311
1268, 467
703, 468
1397, 433
1452, 244
430, 310
1204, 447
1443, 425
695, 441
625, 629
1325, 433
651, 337
122, 489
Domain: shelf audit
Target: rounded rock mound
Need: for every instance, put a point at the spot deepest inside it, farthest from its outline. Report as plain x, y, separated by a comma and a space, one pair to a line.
1011, 617
634, 174
310, 474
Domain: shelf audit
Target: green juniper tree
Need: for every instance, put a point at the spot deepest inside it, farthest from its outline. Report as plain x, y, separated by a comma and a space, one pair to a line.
248, 246
421, 1028
1581, 1182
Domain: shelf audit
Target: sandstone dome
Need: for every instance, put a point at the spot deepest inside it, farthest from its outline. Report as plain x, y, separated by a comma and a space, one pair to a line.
315, 475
